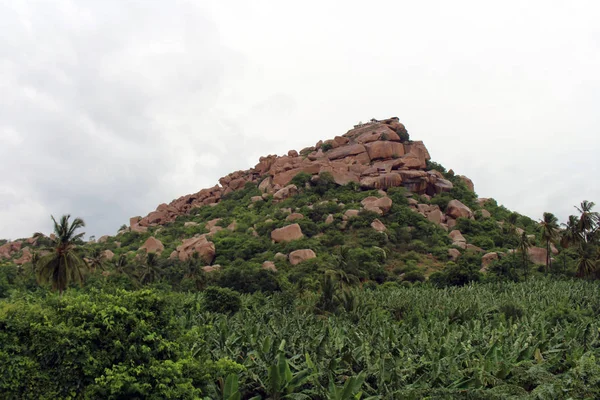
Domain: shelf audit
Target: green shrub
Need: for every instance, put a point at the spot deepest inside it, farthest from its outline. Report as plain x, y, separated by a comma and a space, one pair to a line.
222, 300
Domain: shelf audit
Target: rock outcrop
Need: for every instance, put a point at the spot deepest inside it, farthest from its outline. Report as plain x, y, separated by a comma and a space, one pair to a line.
372, 155
152, 245
287, 233
201, 245
298, 256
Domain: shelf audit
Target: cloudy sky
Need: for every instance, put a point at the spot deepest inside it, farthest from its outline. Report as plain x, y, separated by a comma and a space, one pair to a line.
108, 108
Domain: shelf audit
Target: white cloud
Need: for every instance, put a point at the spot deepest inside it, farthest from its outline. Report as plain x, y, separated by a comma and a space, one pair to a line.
110, 108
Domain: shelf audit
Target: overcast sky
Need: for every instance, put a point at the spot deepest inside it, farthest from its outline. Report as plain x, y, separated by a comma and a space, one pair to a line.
108, 108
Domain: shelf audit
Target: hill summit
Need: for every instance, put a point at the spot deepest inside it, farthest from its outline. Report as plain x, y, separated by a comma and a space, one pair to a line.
375, 155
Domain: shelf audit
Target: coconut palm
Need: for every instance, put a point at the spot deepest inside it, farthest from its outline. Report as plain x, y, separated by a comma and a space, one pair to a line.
510, 225
97, 260
121, 264
549, 225
523, 248
570, 234
588, 220
150, 270
587, 261
63, 265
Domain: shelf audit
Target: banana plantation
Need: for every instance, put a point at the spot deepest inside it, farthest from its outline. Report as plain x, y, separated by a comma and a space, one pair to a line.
538, 339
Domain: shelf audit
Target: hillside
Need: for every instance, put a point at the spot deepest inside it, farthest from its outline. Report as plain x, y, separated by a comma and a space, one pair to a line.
348, 268
371, 191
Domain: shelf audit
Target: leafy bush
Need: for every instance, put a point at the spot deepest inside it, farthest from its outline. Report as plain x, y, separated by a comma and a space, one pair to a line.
221, 300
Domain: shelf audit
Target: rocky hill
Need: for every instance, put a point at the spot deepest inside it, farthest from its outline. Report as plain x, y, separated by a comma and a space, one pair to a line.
376, 155
371, 191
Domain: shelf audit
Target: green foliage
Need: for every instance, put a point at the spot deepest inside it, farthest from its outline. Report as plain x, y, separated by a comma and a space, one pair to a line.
325, 147
221, 300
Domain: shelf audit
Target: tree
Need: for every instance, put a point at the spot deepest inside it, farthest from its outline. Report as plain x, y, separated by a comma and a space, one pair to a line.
63, 265
570, 234
96, 260
549, 225
523, 248
588, 221
150, 270
587, 261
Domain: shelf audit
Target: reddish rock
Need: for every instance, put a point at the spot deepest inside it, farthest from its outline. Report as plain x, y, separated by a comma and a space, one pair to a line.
378, 226
294, 216
384, 181
383, 203
436, 216
8, 249
329, 219
472, 247
256, 199
350, 214
212, 223
205, 249
457, 237
453, 254
537, 255
298, 256
152, 245
108, 255
287, 233
285, 192
467, 182
345, 151
292, 153
456, 210
25, 257
266, 185
211, 268
487, 259
190, 223
384, 150
269, 266
485, 213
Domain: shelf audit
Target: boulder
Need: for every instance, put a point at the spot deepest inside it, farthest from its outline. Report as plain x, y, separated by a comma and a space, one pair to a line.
205, 249
152, 245
287, 233
487, 259
329, 219
285, 192
472, 247
384, 181
468, 182
537, 255
138, 229
266, 185
108, 255
378, 225
384, 150
281, 257
292, 153
25, 257
453, 254
298, 256
383, 203
458, 239
294, 216
350, 214
212, 223
8, 249
436, 216
269, 266
485, 213
211, 268
188, 224
456, 210
442, 185
345, 151
256, 199
103, 239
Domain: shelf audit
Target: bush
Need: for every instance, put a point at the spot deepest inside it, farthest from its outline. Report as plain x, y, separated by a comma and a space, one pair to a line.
414, 276
222, 300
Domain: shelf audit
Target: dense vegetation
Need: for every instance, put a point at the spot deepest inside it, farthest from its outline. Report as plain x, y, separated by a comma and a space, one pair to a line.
538, 339
383, 314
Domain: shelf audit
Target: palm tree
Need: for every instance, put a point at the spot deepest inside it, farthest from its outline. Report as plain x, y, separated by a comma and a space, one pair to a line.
570, 234
510, 225
121, 264
63, 265
587, 261
97, 260
150, 270
549, 225
588, 221
523, 248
